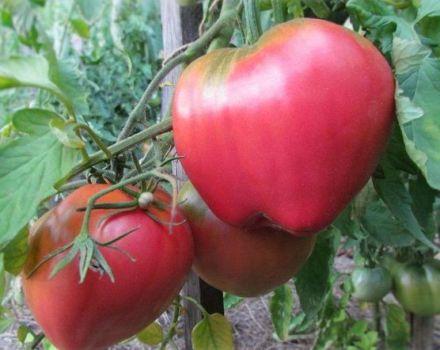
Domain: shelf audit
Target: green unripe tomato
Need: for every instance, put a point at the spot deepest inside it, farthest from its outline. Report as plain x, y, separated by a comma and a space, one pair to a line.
370, 284
417, 287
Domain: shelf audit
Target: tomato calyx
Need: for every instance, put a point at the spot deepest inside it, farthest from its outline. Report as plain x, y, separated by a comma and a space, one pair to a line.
90, 256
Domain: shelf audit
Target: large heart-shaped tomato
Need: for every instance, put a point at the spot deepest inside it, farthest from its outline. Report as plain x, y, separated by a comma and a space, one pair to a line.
242, 261
287, 131
98, 313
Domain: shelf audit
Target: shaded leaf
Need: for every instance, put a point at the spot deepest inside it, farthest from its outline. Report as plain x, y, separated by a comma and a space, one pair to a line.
397, 330
381, 225
15, 253
393, 192
313, 280
281, 308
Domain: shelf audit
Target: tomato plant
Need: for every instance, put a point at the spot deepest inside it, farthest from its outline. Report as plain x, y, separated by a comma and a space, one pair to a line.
370, 284
149, 266
417, 287
241, 261
291, 149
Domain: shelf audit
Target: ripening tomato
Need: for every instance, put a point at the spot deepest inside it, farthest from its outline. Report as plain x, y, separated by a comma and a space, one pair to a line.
417, 287
287, 131
244, 262
98, 312
370, 284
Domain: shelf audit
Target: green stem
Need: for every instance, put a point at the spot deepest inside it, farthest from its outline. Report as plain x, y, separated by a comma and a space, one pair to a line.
377, 319
119, 147
38, 339
278, 11
92, 200
224, 36
252, 20
197, 304
121, 205
95, 138
193, 51
138, 169
173, 325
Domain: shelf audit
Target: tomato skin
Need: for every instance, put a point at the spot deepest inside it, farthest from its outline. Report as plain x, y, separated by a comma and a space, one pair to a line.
417, 287
99, 313
370, 284
244, 262
287, 131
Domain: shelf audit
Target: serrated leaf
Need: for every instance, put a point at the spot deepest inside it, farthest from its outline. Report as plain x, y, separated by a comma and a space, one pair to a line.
213, 332
230, 300
420, 86
380, 224
151, 335
15, 252
313, 280
80, 27
281, 308
30, 166
30, 72
397, 330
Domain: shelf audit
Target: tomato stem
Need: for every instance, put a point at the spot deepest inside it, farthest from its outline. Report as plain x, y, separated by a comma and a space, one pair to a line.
197, 304
252, 20
278, 11
173, 325
94, 137
119, 147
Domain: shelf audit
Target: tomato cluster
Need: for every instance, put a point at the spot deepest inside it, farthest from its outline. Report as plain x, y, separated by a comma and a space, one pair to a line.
277, 138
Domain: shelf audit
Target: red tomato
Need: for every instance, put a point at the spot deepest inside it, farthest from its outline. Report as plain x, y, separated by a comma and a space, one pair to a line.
99, 313
287, 131
245, 262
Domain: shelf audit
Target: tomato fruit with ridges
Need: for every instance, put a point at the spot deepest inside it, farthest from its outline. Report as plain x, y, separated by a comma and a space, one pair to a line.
99, 313
417, 287
370, 284
287, 131
244, 262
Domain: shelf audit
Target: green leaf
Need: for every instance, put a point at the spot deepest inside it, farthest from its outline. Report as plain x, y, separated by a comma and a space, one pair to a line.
381, 225
319, 8
66, 134
230, 300
313, 280
417, 107
80, 27
34, 121
393, 192
423, 197
30, 166
281, 309
5, 323
15, 253
90, 9
359, 328
22, 333
213, 332
30, 72
151, 335
397, 330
